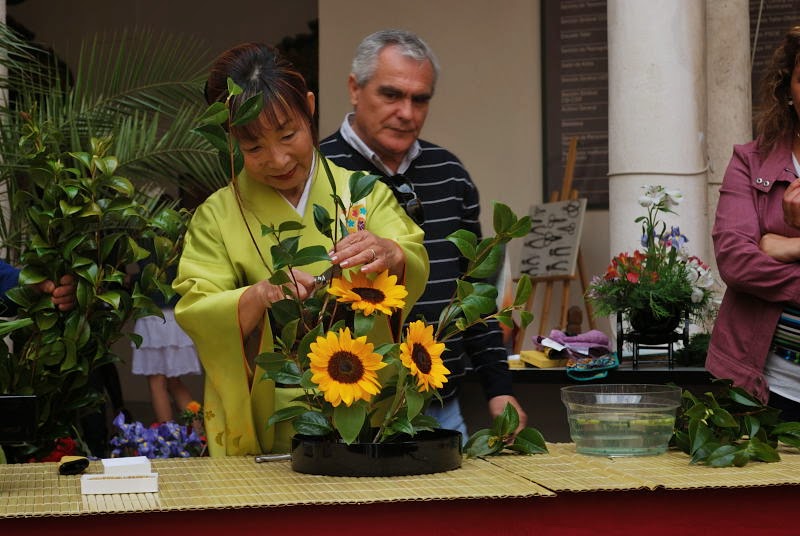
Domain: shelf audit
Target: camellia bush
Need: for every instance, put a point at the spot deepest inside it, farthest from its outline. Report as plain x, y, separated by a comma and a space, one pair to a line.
84, 220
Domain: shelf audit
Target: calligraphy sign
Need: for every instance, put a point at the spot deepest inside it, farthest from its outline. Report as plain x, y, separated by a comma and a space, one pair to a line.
551, 247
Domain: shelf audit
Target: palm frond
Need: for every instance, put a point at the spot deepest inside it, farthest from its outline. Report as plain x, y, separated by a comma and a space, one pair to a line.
177, 155
140, 70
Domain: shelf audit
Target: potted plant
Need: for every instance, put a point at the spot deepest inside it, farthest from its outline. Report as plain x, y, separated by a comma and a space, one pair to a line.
659, 285
352, 412
67, 146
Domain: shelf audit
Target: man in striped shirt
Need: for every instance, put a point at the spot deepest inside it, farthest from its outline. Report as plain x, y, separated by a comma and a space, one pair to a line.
391, 84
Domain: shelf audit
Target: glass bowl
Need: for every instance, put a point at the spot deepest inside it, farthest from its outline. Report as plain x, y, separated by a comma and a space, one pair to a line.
621, 419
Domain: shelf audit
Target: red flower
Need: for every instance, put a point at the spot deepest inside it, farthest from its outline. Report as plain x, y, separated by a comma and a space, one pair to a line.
65, 446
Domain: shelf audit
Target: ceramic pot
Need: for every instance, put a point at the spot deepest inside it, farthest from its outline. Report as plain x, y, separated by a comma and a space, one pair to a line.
427, 452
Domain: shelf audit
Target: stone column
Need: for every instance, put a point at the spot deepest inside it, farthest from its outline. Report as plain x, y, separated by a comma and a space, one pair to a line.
656, 114
728, 89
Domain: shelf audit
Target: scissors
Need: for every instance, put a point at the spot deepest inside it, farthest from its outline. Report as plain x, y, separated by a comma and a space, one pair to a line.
325, 277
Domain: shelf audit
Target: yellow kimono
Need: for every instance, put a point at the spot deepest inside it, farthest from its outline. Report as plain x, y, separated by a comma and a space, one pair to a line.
219, 262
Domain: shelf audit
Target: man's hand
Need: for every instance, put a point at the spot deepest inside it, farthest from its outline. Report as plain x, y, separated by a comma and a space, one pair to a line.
498, 404
63, 294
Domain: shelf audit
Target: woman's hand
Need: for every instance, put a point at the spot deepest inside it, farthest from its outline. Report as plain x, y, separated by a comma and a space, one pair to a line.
63, 294
259, 297
791, 204
373, 253
780, 248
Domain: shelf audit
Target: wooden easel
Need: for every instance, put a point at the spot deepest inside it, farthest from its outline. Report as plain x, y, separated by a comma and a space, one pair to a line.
567, 192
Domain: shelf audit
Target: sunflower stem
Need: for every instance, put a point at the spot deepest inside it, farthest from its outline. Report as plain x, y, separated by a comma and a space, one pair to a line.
397, 402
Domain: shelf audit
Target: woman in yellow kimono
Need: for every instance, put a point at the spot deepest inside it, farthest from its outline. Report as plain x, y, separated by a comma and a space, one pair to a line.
222, 275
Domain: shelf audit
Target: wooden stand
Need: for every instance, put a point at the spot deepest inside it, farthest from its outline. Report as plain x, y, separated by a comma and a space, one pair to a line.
567, 192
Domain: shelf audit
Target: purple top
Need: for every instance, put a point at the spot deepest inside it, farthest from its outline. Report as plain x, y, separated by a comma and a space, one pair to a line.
758, 285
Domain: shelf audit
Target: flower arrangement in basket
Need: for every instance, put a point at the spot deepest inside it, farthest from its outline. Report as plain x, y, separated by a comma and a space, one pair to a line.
353, 389
660, 280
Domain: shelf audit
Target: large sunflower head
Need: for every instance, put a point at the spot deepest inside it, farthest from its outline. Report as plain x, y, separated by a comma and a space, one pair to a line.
369, 295
345, 368
422, 355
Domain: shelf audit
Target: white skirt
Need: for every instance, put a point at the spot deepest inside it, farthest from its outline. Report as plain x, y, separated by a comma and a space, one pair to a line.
165, 349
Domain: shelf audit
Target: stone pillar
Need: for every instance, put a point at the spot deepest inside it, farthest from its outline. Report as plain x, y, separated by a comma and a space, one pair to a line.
728, 89
656, 114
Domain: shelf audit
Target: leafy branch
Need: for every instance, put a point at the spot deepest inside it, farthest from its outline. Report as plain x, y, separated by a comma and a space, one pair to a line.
730, 427
494, 440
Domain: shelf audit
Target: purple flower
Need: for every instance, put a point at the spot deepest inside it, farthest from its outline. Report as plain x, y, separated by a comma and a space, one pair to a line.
167, 440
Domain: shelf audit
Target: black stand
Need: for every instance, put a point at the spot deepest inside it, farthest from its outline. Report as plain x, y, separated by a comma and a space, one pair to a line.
641, 341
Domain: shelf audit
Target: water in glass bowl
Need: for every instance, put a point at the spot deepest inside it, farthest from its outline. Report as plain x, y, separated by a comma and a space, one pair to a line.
622, 433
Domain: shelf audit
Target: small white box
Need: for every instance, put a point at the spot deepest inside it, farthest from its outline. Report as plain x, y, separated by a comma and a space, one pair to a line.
134, 465
98, 484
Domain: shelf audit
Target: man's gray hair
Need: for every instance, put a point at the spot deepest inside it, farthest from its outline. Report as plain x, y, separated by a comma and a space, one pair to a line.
365, 61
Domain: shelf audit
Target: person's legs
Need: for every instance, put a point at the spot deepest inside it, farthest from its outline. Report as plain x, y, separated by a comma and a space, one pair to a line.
449, 416
180, 393
159, 397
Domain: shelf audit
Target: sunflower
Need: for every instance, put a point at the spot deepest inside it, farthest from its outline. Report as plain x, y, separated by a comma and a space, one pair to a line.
344, 368
368, 295
422, 355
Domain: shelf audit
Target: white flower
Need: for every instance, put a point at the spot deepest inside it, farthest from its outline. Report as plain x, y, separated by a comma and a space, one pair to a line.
646, 201
673, 198
697, 295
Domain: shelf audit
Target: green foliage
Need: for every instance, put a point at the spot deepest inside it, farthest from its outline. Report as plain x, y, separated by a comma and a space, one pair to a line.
495, 440
138, 89
85, 220
729, 427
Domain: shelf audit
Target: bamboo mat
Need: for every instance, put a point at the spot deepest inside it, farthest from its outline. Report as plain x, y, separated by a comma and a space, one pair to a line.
36, 489
563, 469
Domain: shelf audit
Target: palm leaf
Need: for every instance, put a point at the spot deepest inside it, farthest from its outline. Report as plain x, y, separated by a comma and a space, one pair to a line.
141, 87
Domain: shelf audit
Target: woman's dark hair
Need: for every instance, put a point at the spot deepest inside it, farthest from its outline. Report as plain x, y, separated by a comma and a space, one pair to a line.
260, 69
776, 118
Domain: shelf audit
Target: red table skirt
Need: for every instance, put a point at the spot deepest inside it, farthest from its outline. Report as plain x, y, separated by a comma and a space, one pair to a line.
729, 511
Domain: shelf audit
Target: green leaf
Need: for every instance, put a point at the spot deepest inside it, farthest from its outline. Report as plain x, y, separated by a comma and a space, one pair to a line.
289, 332
323, 220
111, 297
529, 441
361, 186
483, 443
233, 88
270, 361
508, 421
304, 347
414, 401
349, 420
740, 396
9, 326
758, 450
215, 114
214, 134
523, 291
249, 110
290, 225
312, 423
309, 255
490, 264
724, 419
466, 243
362, 325
503, 218
286, 414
